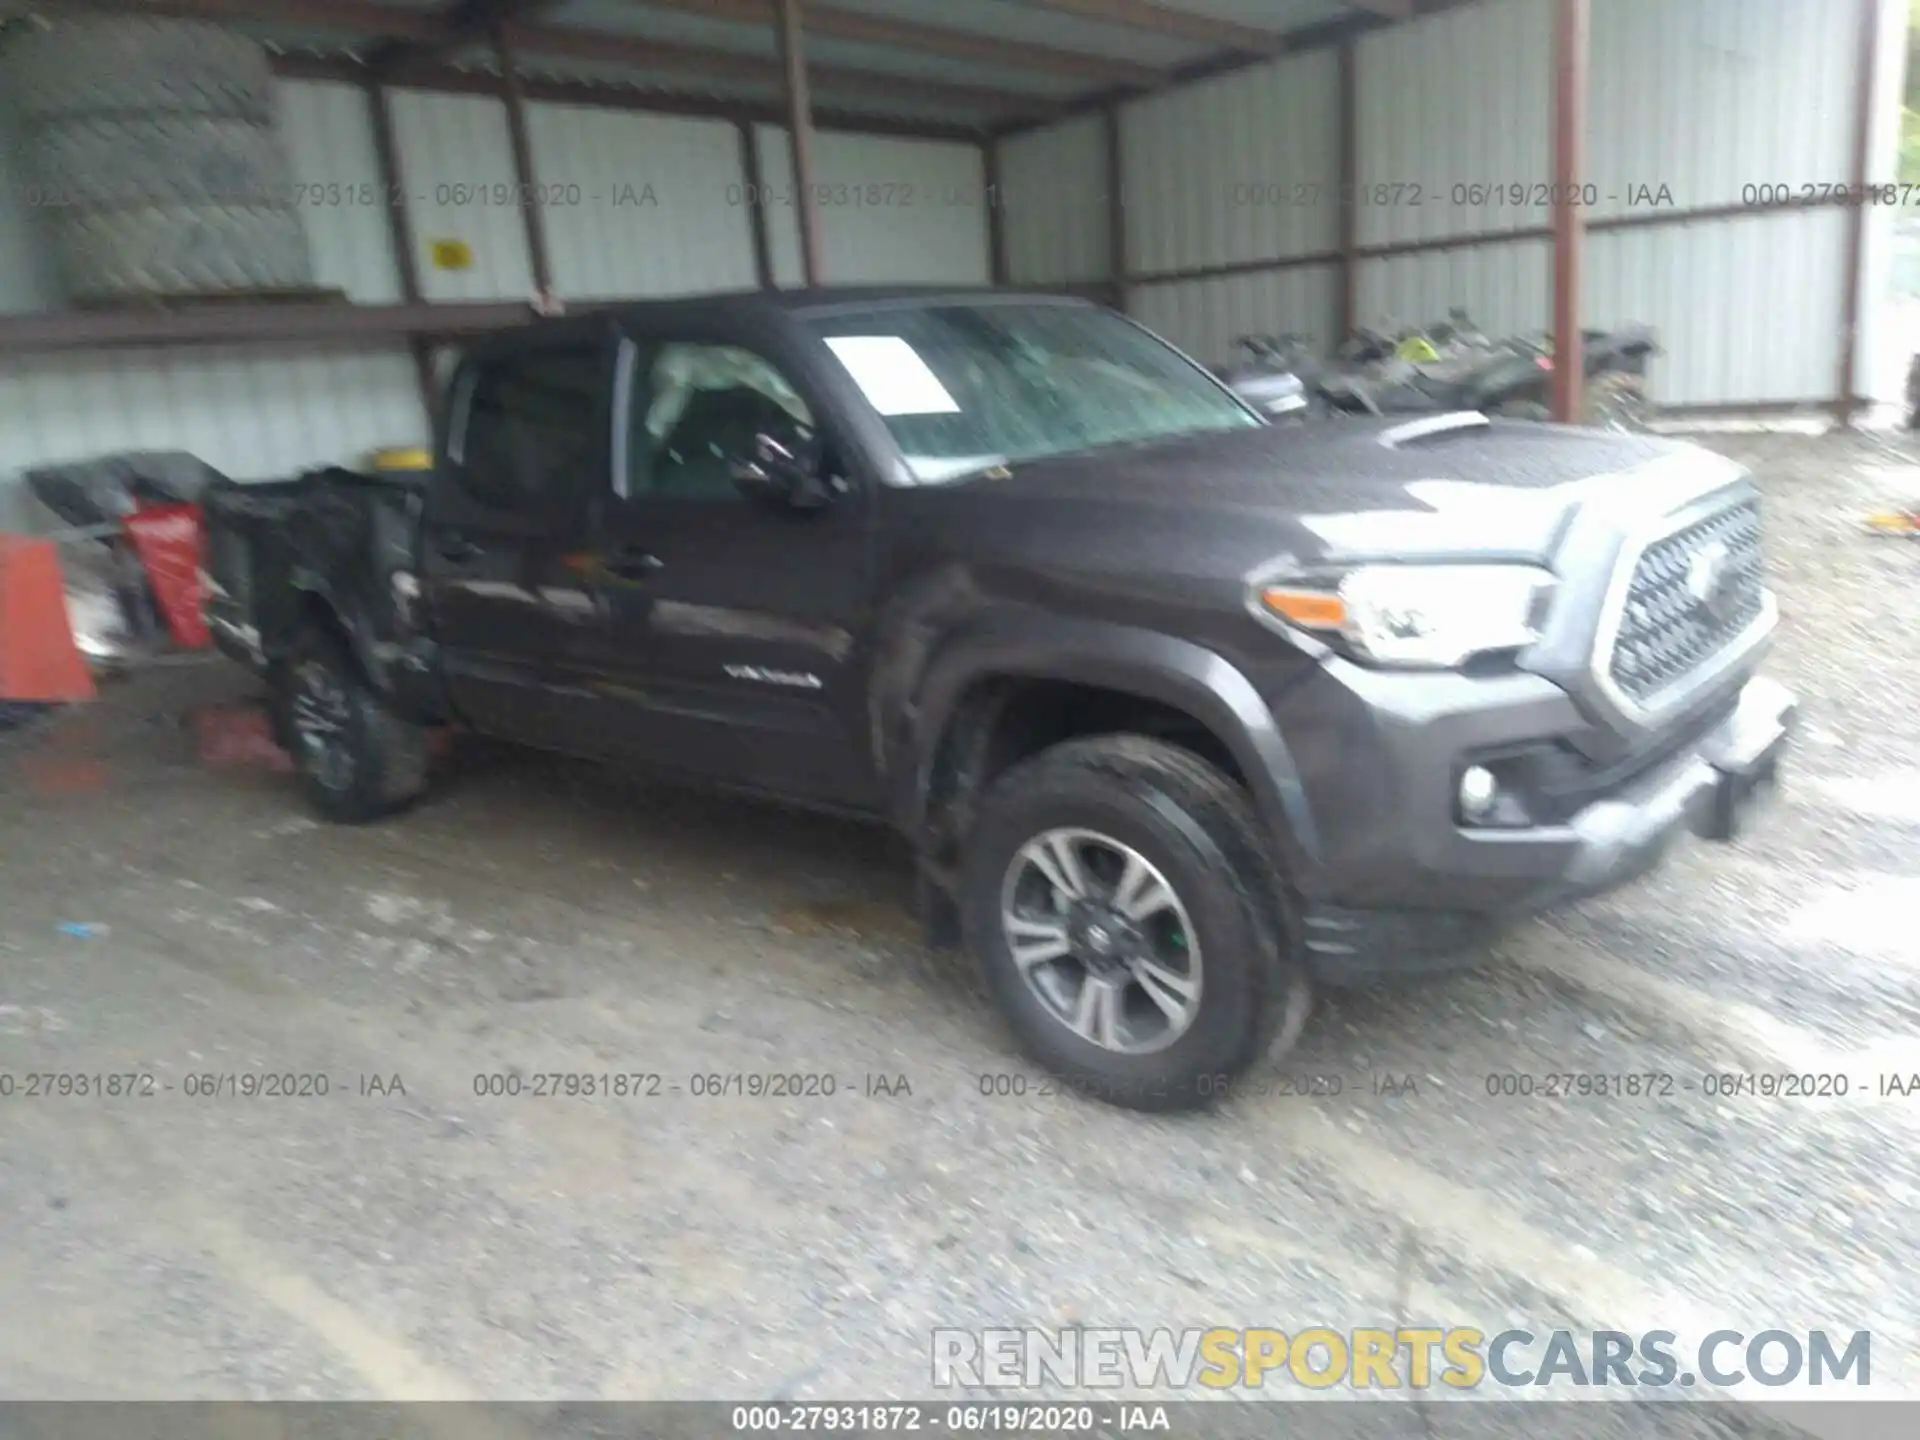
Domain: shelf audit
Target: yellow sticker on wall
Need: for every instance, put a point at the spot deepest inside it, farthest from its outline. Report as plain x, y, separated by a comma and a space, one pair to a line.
452, 255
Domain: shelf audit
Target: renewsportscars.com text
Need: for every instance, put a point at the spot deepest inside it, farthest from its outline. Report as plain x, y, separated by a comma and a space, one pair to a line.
1396, 1358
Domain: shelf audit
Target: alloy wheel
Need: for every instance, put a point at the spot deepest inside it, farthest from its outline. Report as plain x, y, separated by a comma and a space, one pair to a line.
1102, 940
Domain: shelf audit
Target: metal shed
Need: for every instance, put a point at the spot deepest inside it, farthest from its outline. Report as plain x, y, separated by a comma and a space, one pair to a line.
1213, 166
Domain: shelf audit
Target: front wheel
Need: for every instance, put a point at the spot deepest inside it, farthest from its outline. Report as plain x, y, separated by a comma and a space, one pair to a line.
1118, 898
356, 759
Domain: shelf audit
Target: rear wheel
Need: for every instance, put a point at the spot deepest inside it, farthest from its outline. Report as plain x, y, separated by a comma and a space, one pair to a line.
1119, 900
356, 759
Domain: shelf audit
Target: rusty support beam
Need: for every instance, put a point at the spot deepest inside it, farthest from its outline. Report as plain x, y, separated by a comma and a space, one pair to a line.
806, 210
448, 80
998, 268
1180, 24
1853, 265
753, 200
1116, 207
865, 28
1348, 198
252, 322
462, 24
532, 214
406, 261
665, 58
1572, 57
361, 18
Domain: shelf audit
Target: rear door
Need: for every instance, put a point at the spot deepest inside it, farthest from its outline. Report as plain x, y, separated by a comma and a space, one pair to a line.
526, 444
725, 645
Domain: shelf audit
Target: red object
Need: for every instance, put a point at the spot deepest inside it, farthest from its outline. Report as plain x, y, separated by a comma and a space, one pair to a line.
168, 540
39, 661
240, 735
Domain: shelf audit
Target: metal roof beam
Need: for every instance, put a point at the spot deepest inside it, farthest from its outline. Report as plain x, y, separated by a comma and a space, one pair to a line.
557, 42
1179, 24
353, 17
612, 96
461, 24
859, 26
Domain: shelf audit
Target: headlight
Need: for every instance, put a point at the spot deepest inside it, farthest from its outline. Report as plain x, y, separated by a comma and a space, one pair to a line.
1435, 616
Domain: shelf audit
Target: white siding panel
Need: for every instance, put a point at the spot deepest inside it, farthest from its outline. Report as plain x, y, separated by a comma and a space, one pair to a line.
1746, 310
254, 413
1241, 168
642, 204
898, 212
327, 133
1203, 317
1460, 98
1053, 195
1505, 288
1709, 97
456, 161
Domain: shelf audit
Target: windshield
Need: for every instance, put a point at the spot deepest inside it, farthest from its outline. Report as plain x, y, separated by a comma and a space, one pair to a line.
965, 387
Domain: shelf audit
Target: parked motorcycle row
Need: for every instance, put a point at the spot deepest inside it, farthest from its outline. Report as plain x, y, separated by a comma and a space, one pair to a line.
1448, 366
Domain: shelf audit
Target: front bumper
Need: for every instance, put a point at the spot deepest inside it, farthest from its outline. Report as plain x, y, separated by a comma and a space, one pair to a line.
1402, 885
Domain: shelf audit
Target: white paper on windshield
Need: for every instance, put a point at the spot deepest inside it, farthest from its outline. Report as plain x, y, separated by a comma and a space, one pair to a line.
891, 374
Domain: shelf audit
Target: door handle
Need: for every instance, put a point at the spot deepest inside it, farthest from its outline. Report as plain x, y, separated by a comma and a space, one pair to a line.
630, 562
458, 549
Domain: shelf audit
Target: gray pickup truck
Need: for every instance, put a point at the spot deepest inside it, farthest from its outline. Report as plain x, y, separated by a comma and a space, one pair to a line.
1181, 713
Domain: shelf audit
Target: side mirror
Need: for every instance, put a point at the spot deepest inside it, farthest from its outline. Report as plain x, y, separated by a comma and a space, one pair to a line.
783, 469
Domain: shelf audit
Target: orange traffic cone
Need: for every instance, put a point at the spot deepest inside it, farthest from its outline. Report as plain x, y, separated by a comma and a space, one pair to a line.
39, 660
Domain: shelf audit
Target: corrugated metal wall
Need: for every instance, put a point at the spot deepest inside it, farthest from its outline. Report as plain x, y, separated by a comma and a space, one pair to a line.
1053, 198
640, 205
893, 211
1693, 103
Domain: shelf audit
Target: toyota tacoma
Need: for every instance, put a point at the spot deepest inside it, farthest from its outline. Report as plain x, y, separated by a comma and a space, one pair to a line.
1182, 714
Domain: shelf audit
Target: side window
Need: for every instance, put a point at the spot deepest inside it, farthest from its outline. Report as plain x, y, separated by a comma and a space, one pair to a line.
696, 409
530, 426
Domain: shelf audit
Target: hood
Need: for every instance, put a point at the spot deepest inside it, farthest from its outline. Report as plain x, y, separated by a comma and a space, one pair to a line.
1330, 491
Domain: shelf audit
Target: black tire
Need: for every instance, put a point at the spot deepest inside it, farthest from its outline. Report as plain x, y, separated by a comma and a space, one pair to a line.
135, 65
381, 761
1197, 828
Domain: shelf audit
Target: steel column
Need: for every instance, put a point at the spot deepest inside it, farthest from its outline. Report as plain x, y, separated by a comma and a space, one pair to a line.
996, 212
800, 138
753, 198
393, 190
1854, 263
523, 174
1116, 208
1348, 198
1572, 32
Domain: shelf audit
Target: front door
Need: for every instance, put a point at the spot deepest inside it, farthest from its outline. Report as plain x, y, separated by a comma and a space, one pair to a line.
726, 645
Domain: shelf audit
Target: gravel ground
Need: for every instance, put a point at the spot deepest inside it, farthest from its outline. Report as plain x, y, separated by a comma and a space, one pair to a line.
406, 1237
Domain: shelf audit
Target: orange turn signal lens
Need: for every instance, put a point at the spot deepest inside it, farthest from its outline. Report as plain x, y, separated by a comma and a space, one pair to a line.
1310, 609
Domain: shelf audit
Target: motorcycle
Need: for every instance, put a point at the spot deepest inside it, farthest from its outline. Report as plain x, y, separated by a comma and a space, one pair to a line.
1456, 367
1274, 376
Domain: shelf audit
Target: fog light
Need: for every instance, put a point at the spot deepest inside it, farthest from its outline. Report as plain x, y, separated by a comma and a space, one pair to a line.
1479, 792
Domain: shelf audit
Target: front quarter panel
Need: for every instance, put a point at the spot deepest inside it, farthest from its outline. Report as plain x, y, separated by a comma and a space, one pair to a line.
1012, 642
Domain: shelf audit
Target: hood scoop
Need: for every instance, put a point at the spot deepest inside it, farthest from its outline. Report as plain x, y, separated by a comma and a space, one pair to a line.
1431, 428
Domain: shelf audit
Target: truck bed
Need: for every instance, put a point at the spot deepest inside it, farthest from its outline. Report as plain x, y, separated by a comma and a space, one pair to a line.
335, 533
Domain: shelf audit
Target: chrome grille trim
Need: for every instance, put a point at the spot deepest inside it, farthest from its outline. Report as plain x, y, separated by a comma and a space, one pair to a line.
1733, 650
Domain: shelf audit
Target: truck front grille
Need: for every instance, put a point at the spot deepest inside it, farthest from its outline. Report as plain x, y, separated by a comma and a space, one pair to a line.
1692, 594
